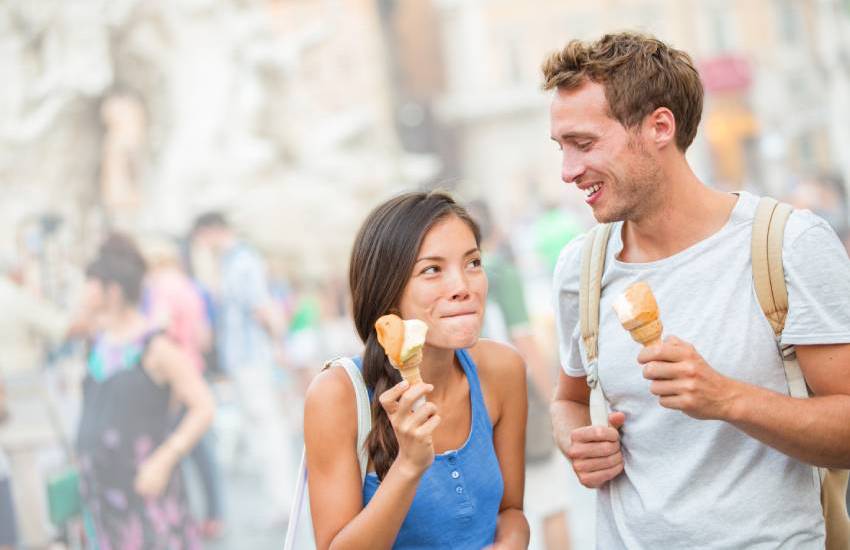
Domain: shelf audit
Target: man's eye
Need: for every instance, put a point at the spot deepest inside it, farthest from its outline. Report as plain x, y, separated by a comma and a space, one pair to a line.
584, 145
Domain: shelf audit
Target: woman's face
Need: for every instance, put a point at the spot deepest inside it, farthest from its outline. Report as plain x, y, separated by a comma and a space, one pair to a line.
448, 288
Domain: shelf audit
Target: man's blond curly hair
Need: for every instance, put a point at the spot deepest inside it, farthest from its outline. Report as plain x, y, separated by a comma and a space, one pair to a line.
639, 73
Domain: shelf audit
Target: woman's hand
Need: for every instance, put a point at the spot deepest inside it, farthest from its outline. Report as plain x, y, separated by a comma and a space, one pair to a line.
414, 430
155, 472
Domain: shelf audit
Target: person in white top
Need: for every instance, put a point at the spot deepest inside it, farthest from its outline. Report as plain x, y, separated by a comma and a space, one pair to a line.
704, 448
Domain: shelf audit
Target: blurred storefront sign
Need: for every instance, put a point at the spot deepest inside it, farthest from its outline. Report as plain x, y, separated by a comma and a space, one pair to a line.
728, 126
725, 73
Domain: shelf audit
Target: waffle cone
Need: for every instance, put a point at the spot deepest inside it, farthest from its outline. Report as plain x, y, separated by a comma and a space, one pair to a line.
410, 369
648, 334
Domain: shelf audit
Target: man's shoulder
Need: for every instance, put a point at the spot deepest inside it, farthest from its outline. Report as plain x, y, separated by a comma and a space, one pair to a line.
568, 267
801, 221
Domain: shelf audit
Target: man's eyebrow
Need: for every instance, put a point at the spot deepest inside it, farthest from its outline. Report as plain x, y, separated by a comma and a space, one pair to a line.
575, 135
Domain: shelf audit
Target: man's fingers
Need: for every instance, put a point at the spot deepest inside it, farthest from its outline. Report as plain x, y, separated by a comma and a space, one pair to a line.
595, 480
590, 465
588, 434
582, 451
616, 420
671, 350
659, 370
664, 388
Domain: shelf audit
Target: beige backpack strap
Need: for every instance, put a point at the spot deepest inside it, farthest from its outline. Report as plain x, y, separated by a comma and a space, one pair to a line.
590, 290
768, 274
769, 280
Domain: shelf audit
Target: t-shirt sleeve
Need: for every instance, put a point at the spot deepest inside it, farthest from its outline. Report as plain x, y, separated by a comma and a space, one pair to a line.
817, 274
566, 301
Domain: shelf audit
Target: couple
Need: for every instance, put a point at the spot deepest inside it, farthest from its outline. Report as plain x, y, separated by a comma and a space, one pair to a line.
733, 471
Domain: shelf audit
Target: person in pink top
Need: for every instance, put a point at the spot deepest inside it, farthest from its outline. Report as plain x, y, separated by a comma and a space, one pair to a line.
174, 304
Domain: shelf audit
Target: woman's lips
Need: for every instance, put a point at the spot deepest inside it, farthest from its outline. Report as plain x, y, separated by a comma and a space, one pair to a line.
456, 315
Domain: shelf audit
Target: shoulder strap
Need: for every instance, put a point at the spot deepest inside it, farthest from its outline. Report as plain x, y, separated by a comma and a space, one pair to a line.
768, 273
364, 426
590, 290
769, 281
364, 411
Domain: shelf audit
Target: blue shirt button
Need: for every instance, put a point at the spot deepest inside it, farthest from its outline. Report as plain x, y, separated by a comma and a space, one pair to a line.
455, 474
459, 489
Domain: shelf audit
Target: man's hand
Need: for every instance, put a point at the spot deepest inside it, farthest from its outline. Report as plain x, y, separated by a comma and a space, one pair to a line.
683, 380
595, 452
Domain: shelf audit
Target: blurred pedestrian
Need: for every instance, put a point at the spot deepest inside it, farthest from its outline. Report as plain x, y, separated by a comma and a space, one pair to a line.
450, 474
29, 328
173, 303
507, 320
248, 323
127, 451
8, 526
703, 445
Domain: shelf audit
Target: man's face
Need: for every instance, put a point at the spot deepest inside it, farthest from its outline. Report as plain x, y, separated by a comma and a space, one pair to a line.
613, 166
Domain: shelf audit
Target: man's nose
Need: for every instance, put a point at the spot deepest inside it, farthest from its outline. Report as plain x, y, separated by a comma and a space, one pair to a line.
572, 168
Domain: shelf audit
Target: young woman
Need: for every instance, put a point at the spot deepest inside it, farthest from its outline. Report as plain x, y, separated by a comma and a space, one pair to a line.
132, 493
449, 475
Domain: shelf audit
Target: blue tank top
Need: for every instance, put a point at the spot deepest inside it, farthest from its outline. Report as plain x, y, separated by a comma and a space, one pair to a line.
457, 502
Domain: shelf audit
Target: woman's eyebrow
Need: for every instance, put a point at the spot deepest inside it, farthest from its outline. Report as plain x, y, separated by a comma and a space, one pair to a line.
441, 259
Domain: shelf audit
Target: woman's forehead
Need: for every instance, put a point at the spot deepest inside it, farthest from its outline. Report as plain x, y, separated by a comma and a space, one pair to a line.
448, 235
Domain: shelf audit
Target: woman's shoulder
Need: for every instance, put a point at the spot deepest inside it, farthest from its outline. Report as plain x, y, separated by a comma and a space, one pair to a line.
498, 363
329, 398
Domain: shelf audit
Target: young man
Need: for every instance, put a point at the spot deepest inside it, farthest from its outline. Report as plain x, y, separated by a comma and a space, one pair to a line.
248, 328
704, 448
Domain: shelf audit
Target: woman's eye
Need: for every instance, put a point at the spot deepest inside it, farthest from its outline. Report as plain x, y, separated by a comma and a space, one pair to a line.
430, 270
475, 263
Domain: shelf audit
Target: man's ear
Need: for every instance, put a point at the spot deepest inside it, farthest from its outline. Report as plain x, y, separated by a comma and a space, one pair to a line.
660, 127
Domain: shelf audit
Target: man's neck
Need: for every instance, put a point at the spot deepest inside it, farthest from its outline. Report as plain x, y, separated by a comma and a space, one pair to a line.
688, 212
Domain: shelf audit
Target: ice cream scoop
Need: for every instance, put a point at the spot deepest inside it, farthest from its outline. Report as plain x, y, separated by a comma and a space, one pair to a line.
402, 340
638, 313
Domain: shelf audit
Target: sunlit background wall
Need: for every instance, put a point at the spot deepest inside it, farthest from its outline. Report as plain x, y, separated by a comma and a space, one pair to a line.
294, 118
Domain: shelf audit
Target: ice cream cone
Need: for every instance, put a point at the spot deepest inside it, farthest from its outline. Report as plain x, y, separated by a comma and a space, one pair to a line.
403, 340
638, 313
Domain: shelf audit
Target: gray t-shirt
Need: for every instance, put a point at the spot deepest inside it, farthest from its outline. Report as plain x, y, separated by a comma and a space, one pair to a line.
702, 483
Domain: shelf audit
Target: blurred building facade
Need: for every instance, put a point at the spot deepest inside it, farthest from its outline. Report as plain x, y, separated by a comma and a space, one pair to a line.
776, 74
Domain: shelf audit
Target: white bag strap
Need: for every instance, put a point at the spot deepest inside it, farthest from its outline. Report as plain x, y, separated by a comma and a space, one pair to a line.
364, 426
590, 290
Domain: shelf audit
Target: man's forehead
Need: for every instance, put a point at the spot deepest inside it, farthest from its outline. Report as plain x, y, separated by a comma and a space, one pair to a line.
589, 96
579, 110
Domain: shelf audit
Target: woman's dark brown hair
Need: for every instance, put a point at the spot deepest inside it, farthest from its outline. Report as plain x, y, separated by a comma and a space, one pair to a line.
382, 262
119, 262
